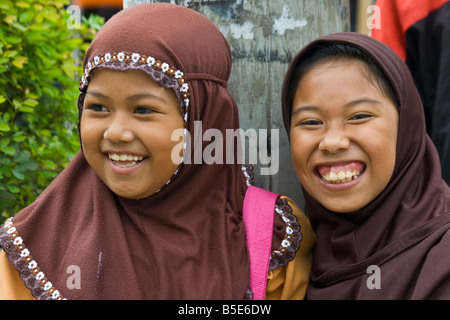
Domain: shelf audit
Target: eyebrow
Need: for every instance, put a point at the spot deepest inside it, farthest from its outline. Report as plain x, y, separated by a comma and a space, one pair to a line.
347, 105
136, 96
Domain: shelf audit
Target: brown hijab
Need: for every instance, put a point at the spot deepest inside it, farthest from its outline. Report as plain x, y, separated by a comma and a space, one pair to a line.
186, 241
404, 231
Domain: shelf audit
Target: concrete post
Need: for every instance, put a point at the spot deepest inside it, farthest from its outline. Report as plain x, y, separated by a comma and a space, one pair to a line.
264, 36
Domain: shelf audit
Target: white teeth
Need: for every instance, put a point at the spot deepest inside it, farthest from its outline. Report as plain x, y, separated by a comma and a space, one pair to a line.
125, 157
114, 157
126, 165
341, 176
348, 175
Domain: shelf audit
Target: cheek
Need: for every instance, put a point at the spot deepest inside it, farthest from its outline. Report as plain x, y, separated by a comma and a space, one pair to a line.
387, 156
300, 149
381, 148
90, 133
85, 133
158, 141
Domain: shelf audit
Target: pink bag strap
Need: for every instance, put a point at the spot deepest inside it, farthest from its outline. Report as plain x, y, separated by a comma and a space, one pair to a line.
258, 214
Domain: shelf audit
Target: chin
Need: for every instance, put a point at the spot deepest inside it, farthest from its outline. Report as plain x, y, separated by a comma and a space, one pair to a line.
344, 209
126, 193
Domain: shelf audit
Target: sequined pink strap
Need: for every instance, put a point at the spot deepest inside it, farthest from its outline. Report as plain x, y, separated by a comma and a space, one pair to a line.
259, 210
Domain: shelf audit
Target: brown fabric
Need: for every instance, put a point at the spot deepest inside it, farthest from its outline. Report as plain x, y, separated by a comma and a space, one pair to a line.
185, 242
404, 231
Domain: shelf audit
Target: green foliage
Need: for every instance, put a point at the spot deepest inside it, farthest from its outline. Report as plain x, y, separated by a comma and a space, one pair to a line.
39, 77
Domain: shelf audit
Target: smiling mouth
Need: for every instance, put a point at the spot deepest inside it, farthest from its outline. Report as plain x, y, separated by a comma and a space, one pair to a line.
125, 160
340, 173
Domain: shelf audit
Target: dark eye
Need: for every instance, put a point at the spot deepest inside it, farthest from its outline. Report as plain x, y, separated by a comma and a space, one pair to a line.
143, 110
97, 108
360, 116
310, 122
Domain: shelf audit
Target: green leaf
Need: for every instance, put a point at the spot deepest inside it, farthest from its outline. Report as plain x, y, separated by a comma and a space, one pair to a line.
26, 109
4, 127
10, 20
20, 61
19, 26
13, 39
6, 117
5, 6
23, 156
18, 175
9, 150
22, 4
6, 195
31, 102
52, 16
16, 104
13, 189
4, 142
26, 17
6, 172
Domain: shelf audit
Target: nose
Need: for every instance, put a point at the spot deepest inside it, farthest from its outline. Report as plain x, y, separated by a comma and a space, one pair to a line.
119, 130
334, 141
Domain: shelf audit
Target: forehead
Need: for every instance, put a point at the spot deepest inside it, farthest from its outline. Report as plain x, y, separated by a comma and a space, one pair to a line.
128, 84
335, 77
336, 65
129, 79
368, 72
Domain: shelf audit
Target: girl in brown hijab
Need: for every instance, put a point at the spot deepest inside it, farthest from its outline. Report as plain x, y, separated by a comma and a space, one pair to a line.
129, 218
370, 174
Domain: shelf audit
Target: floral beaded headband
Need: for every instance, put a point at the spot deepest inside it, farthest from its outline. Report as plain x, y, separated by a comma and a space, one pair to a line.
167, 76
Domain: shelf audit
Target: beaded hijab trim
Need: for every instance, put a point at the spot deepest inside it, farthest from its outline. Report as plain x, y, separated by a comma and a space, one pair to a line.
18, 254
166, 75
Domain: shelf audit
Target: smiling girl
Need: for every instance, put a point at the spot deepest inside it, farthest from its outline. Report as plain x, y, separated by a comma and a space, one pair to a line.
370, 174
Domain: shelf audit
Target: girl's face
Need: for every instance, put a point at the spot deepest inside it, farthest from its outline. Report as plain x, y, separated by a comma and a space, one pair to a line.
343, 136
126, 129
